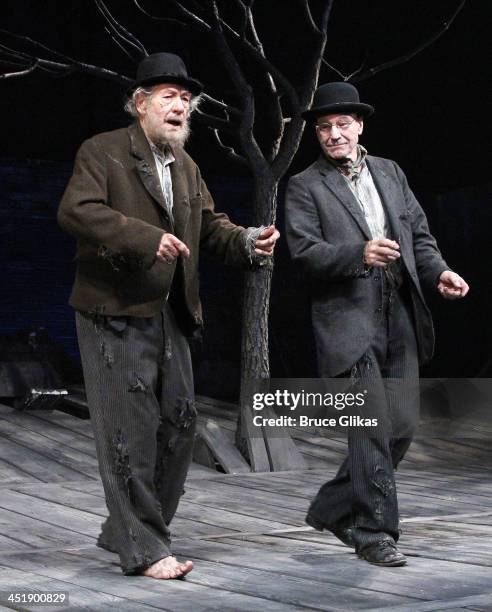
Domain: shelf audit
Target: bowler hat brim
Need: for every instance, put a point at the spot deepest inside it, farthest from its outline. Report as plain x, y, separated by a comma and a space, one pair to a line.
193, 85
359, 108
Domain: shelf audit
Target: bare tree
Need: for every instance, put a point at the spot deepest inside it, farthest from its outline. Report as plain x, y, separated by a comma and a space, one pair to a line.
231, 27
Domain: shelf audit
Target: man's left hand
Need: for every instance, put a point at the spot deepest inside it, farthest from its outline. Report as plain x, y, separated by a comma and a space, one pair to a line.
451, 286
266, 241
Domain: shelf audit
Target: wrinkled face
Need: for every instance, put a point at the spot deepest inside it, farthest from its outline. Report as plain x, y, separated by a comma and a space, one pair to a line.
338, 135
164, 115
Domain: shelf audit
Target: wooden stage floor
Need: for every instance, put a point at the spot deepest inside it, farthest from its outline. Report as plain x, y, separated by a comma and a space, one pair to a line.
246, 533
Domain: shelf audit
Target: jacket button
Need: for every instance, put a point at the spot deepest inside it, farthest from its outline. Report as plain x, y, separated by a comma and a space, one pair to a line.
379, 309
377, 277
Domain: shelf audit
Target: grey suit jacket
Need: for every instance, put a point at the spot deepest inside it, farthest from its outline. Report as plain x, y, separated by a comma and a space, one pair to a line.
326, 233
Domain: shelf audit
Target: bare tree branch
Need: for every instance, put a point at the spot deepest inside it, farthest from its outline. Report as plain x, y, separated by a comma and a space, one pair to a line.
340, 74
9, 75
248, 143
232, 110
214, 122
248, 46
36, 44
124, 35
177, 22
347, 77
244, 25
294, 128
229, 151
65, 66
325, 16
192, 16
118, 44
309, 15
408, 56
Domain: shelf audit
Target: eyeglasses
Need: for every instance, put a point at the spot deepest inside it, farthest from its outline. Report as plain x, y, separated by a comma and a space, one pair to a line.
342, 125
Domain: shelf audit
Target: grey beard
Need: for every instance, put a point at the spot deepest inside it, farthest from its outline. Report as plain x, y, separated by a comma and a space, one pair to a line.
173, 140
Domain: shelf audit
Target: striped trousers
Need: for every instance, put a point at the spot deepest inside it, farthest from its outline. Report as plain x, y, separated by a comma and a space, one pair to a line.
139, 386
363, 493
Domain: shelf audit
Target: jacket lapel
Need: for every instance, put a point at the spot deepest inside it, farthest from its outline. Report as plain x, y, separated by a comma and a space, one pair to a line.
390, 195
338, 186
146, 166
181, 203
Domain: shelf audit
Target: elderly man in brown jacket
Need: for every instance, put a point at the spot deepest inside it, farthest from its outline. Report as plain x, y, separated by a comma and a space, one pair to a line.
141, 213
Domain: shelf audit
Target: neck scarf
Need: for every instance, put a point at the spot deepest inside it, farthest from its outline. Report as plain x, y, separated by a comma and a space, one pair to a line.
347, 167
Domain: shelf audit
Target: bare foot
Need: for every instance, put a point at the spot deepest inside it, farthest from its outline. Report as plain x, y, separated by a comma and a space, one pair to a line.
168, 568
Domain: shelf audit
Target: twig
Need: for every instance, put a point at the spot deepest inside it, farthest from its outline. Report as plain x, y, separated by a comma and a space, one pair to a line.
232, 110
340, 74
212, 121
9, 75
309, 15
408, 56
229, 151
121, 32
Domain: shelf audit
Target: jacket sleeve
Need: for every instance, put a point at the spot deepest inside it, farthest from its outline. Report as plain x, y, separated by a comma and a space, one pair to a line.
319, 258
219, 236
429, 262
86, 213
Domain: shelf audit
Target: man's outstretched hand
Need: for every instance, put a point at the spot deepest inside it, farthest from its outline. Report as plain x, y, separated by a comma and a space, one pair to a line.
265, 242
451, 286
170, 248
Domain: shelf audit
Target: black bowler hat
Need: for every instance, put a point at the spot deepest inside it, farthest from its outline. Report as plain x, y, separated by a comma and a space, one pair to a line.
164, 68
337, 98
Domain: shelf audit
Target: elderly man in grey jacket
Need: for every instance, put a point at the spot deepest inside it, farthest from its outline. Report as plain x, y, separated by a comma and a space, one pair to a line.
363, 240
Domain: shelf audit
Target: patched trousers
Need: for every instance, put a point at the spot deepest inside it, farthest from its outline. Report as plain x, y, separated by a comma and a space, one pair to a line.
363, 493
139, 386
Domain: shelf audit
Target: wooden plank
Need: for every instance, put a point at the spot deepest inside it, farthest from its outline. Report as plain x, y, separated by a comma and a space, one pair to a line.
286, 589
76, 499
85, 512
35, 465
50, 513
51, 450
79, 597
281, 543
420, 578
449, 605
237, 500
36, 533
80, 426
283, 453
224, 519
200, 471
95, 571
48, 429
221, 447
10, 473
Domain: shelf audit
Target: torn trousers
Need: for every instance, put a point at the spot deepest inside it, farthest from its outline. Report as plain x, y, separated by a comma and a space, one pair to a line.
139, 385
363, 493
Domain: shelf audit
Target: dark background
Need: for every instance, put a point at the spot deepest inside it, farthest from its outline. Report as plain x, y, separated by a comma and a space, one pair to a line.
432, 116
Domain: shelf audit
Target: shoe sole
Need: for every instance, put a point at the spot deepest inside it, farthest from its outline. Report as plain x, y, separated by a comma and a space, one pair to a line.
399, 563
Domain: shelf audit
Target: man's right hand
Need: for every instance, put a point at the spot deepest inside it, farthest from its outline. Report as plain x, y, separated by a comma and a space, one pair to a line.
170, 248
381, 252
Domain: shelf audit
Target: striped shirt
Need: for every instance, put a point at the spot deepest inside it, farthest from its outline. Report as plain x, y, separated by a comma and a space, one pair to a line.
163, 161
361, 184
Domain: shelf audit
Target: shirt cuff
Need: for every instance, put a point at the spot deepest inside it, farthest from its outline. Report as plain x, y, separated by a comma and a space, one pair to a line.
251, 235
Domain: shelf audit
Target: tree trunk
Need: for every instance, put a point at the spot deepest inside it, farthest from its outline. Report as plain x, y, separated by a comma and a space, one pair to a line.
254, 345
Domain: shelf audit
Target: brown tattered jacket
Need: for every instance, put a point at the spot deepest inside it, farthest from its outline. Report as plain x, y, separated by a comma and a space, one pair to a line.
113, 205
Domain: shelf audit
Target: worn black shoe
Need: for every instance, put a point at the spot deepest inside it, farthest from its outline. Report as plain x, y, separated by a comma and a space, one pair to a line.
345, 535
383, 553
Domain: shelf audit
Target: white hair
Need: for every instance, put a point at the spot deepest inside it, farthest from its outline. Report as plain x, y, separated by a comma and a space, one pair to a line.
131, 102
